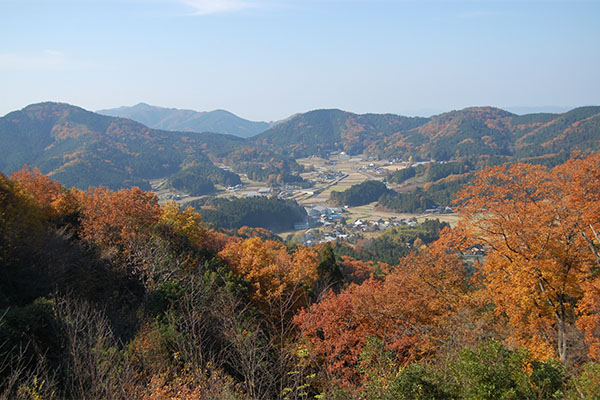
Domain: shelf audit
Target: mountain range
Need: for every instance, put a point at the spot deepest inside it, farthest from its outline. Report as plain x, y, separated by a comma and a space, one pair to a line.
470, 132
173, 119
82, 148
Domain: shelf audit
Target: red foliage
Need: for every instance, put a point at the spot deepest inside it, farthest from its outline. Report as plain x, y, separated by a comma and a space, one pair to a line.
409, 311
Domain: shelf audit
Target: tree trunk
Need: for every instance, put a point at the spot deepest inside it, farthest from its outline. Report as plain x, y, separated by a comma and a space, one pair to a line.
562, 334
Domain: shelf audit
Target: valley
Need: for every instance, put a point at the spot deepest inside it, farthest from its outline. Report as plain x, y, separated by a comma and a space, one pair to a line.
330, 238
338, 172
300, 200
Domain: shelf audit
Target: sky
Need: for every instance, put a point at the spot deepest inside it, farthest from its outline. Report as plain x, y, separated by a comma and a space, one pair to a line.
268, 59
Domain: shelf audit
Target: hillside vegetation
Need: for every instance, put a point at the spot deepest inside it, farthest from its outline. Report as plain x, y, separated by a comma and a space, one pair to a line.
109, 295
257, 212
471, 132
81, 149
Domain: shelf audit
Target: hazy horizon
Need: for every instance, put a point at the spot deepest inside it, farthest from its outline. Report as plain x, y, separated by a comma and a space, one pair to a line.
519, 110
266, 60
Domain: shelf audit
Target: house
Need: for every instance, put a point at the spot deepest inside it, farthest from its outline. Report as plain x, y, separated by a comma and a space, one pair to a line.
312, 212
321, 210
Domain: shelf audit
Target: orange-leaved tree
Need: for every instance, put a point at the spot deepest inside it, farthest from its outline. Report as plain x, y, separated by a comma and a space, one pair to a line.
410, 311
581, 180
120, 223
52, 198
280, 281
537, 256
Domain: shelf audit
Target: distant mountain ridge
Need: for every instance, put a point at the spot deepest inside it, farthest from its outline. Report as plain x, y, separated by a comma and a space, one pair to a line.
321, 131
81, 148
173, 119
469, 132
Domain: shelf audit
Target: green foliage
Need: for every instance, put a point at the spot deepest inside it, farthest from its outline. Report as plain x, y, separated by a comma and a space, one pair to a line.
270, 213
409, 202
437, 171
273, 174
492, 371
321, 131
585, 385
440, 193
199, 179
85, 149
403, 175
581, 124
363, 193
419, 382
547, 379
329, 273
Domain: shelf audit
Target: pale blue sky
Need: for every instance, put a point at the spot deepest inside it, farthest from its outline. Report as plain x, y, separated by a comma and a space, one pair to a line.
267, 59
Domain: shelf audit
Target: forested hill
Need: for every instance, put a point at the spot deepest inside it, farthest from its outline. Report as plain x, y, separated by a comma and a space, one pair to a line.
174, 119
486, 130
321, 131
80, 148
469, 132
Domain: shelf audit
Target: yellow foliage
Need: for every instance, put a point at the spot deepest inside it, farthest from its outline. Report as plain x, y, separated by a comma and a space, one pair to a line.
187, 222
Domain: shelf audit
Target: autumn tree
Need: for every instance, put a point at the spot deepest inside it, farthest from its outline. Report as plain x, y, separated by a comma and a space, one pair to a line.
54, 200
580, 179
278, 279
410, 311
358, 271
537, 260
186, 222
40, 187
120, 224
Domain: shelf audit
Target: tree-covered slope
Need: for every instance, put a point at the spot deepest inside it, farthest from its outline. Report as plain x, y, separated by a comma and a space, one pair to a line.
81, 148
321, 131
470, 132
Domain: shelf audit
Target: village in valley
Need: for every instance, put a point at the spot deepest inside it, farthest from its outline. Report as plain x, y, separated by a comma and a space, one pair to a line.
327, 222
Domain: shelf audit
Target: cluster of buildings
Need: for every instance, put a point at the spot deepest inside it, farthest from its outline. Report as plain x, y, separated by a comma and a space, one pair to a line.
348, 231
373, 169
325, 215
330, 224
329, 177
375, 224
316, 236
